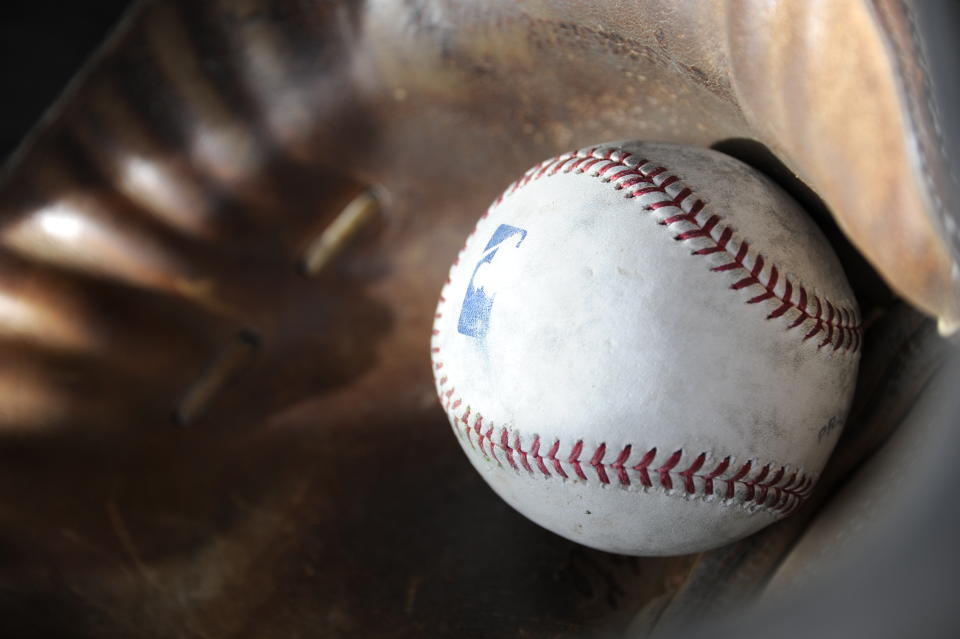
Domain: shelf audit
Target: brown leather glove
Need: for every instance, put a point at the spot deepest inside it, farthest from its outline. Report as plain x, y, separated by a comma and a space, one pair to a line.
220, 255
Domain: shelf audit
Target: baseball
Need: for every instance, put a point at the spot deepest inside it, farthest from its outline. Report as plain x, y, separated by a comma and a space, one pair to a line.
647, 348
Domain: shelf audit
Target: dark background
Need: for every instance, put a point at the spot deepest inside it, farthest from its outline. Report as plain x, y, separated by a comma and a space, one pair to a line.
43, 43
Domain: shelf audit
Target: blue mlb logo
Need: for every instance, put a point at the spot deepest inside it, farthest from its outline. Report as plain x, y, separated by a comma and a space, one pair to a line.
487, 276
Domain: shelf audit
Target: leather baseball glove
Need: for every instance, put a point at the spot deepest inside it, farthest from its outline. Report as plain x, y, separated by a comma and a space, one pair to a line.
221, 250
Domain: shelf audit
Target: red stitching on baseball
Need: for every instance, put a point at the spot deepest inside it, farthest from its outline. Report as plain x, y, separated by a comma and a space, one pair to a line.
689, 473
842, 327
552, 456
597, 462
731, 483
641, 467
618, 465
575, 458
774, 488
719, 470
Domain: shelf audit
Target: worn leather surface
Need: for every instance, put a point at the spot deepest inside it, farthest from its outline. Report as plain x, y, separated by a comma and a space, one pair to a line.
158, 217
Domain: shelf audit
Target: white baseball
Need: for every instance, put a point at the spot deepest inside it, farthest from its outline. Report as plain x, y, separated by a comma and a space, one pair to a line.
647, 348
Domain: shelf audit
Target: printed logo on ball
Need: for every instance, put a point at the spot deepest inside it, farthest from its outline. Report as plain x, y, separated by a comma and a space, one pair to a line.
486, 279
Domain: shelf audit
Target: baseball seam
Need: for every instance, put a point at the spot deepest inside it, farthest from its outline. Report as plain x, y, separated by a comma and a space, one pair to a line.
752, 485
838, 325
